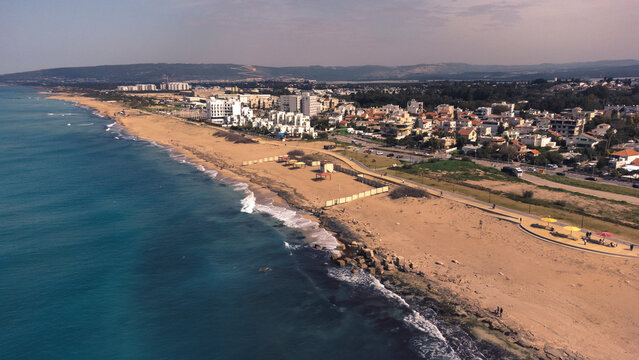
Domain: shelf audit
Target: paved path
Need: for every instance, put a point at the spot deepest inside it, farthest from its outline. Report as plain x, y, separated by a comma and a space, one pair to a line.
598, 193
527, 222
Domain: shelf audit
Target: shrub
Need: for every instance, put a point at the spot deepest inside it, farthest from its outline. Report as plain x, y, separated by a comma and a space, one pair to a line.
406, 191
528, 194
561, 203
466, 158
296, 153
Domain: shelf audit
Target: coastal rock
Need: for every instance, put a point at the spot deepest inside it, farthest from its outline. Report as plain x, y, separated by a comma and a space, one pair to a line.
355, 270
340, 247
389, 267
371, 271
368, 253
341, 263
335, 256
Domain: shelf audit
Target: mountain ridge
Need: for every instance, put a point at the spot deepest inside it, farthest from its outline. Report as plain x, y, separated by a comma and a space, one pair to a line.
153, 72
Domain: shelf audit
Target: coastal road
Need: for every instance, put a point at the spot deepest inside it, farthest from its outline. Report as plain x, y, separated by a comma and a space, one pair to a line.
602, 194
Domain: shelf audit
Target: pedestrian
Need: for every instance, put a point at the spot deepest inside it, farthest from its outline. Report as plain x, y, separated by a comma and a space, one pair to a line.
632, 246
501, 311
493, 206
480, 223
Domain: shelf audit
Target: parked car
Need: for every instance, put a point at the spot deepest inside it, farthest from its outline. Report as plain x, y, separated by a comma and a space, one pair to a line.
635, 185
552, 166
390, 155
379, 153
561, 174
367, 151
513, 171
591, 178
399, 156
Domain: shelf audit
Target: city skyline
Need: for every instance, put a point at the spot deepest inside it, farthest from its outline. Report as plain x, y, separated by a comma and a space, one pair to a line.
39, 35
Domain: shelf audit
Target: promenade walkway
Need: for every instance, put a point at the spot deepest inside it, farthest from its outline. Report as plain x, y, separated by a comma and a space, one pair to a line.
531, 225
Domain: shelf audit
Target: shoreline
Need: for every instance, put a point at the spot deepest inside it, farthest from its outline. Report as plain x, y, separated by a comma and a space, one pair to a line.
470, 315
344, 240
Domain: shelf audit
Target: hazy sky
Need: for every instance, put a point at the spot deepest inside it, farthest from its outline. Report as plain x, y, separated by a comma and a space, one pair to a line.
36, 34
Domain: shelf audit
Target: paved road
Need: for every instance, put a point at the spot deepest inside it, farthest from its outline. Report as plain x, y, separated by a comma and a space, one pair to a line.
602, 194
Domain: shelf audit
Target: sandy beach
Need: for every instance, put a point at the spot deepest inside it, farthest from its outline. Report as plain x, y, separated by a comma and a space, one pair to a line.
554, 298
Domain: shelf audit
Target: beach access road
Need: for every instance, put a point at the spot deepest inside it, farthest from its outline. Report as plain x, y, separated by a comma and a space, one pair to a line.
598, 193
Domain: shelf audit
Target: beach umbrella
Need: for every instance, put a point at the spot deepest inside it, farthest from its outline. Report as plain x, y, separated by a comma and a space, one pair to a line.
604, 234
571, 229
549, 220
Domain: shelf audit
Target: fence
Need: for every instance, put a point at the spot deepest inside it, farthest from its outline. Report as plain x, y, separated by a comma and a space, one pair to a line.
357, 196
259, 161
360, 177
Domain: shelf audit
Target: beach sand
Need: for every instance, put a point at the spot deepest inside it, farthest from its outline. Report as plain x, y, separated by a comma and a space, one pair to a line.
553, 297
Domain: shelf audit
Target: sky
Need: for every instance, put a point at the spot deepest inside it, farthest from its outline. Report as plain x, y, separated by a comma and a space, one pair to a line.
40, 34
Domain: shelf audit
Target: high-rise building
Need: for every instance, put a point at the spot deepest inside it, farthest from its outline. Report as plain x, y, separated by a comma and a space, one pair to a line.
216, 108
290, 103
310, 105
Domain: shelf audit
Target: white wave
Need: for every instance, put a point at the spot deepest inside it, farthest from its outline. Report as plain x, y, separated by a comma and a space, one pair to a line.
60, 114
87, 124
248, 203
433, 344
295, 219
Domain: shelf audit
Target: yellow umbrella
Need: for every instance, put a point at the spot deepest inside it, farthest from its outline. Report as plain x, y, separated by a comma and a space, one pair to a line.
549, 220
571, 229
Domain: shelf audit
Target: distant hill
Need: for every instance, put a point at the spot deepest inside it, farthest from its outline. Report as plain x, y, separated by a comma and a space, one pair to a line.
152, 73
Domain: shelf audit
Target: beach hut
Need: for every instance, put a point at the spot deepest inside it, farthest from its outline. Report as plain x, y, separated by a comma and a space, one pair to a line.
283, 158
327, 167
299, 164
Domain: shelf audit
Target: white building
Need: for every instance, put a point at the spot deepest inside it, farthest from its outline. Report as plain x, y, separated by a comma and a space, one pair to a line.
176, 86
537, 140
310, 105
138, 87
218, 108
290, 103
415, 107
483, 112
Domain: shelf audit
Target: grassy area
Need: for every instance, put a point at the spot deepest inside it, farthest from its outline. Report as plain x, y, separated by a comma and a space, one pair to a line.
459, 170
370, 160
590, 184
539, 209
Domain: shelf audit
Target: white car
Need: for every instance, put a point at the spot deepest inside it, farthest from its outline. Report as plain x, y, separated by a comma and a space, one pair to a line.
379, 153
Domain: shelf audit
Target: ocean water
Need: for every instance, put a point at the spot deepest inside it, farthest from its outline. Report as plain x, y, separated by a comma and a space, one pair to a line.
114, 248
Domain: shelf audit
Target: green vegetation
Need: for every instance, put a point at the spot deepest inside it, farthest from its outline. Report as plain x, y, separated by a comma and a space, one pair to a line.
407, 191
370, 160
590, 185
533, 206
458, 170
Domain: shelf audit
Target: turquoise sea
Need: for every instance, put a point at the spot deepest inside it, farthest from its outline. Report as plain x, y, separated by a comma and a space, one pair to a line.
115, 248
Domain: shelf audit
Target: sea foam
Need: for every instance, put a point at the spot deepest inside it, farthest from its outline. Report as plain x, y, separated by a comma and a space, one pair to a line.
431, 344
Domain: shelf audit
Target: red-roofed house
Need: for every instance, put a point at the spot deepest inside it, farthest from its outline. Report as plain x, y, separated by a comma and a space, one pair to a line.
623, 157
468, 134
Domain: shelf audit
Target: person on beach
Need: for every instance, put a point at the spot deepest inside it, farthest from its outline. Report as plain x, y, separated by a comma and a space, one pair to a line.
501, 311
493, 206
480, 223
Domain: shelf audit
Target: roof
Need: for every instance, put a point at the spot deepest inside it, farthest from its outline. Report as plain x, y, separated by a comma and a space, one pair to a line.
635, 162
466, 131
534, 151
626, 152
